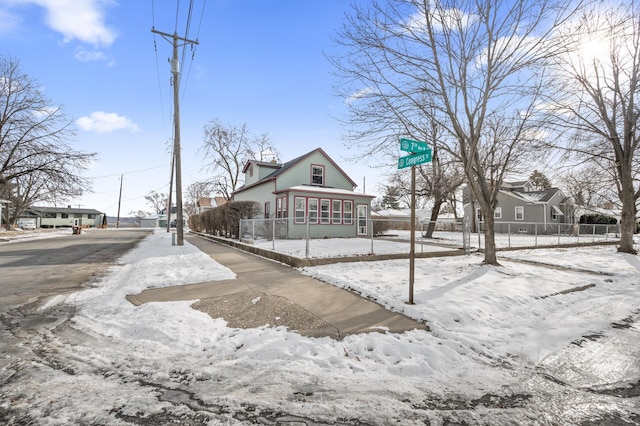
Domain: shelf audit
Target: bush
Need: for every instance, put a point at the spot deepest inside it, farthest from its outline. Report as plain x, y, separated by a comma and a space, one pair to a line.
598, 219
224, 220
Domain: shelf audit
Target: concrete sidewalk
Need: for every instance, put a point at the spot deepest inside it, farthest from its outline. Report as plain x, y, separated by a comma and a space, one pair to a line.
266, 292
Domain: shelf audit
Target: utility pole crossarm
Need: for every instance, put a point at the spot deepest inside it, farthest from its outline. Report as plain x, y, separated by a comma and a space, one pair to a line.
174, 36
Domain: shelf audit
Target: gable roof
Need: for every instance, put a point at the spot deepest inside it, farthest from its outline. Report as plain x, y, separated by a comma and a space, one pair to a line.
282, 168
535, 196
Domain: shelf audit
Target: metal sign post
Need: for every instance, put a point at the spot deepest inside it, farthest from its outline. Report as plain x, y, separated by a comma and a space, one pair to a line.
419, 153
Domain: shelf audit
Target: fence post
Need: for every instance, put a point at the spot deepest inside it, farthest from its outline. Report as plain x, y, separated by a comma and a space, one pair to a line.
558, 234
273, 234
306, 249
593, 237
371, 235
509, 235
606, 233
479, 242
535, 228
253, 231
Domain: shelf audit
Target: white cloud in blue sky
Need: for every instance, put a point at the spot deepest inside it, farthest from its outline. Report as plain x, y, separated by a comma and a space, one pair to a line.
106, 122
78, 20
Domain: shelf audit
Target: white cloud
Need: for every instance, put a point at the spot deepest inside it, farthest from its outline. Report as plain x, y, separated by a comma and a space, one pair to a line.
106, 122
362, 93
78, 20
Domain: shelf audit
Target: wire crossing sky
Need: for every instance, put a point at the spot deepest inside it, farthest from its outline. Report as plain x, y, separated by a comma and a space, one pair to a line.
259, 63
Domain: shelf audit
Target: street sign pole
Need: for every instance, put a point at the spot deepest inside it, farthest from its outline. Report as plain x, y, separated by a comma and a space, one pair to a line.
419, 153
412, 253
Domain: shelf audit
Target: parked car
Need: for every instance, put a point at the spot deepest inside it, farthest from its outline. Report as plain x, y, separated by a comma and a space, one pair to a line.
27, 226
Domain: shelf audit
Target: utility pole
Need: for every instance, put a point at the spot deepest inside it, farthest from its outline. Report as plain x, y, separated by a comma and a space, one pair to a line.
174, 40
119, 200
170, 190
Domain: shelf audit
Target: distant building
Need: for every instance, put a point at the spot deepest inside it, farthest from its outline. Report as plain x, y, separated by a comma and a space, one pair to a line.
58, 217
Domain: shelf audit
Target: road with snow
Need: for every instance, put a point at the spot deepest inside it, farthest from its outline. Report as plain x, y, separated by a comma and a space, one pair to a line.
518, 344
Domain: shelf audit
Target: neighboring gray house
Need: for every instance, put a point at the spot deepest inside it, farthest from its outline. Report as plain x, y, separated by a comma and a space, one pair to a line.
309, 190
526, 208
57, 217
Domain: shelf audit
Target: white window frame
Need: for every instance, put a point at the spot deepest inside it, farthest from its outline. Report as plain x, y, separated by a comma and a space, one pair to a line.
519, 211
362, 221
336, 212
497, 213
311, 211
325, 215
300, 218
314, 175
347, 215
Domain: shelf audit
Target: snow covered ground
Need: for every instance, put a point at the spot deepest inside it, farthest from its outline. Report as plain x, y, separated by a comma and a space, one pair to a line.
517, 344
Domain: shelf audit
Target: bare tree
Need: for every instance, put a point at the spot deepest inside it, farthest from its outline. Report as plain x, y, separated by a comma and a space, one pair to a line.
36, 161
227, 148
596, 101
589, 185
157, 201
464, 65
194, 192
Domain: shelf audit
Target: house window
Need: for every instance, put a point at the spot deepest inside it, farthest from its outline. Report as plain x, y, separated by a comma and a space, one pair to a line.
300, 206
362, 219
325, 211
497, 213
313, 210
556, 213
348, 212
267, 210
479, 215
278, 208
284, 207
77, 215
317, 175
519, 213
49, 215
65, 215
336, 211
91, 216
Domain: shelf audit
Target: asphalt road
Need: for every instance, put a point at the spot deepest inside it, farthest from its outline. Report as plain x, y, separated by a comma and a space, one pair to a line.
36, 269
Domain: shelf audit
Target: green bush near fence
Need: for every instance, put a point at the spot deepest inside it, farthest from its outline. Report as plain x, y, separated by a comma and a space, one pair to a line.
224, 220
597, 219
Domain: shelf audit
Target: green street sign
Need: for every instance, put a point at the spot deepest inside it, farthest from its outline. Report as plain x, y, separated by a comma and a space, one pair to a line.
413, 146
414, 159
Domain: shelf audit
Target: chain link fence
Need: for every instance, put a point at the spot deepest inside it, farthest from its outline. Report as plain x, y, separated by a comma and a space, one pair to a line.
386, 236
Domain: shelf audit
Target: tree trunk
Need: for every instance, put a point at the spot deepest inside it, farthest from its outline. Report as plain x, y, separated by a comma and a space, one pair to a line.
437, 204
490, 257
628, 216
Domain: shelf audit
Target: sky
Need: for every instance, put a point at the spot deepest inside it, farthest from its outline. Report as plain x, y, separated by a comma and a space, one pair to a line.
260, 63
560, 334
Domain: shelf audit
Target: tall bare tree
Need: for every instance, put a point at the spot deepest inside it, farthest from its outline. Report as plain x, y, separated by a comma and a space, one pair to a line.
157, 201
37, 163
466, 66
596, 101
227, 148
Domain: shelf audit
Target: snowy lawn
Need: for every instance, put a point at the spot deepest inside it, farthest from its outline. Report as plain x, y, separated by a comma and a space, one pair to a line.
491, 328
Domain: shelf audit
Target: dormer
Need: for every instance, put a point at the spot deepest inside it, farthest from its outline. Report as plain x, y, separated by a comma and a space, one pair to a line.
255, 170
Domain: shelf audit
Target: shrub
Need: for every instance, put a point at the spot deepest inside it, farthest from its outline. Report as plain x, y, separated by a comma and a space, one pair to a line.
224, 220
598, 219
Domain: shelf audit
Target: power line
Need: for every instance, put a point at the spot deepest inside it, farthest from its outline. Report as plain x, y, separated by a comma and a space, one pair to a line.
128, 173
